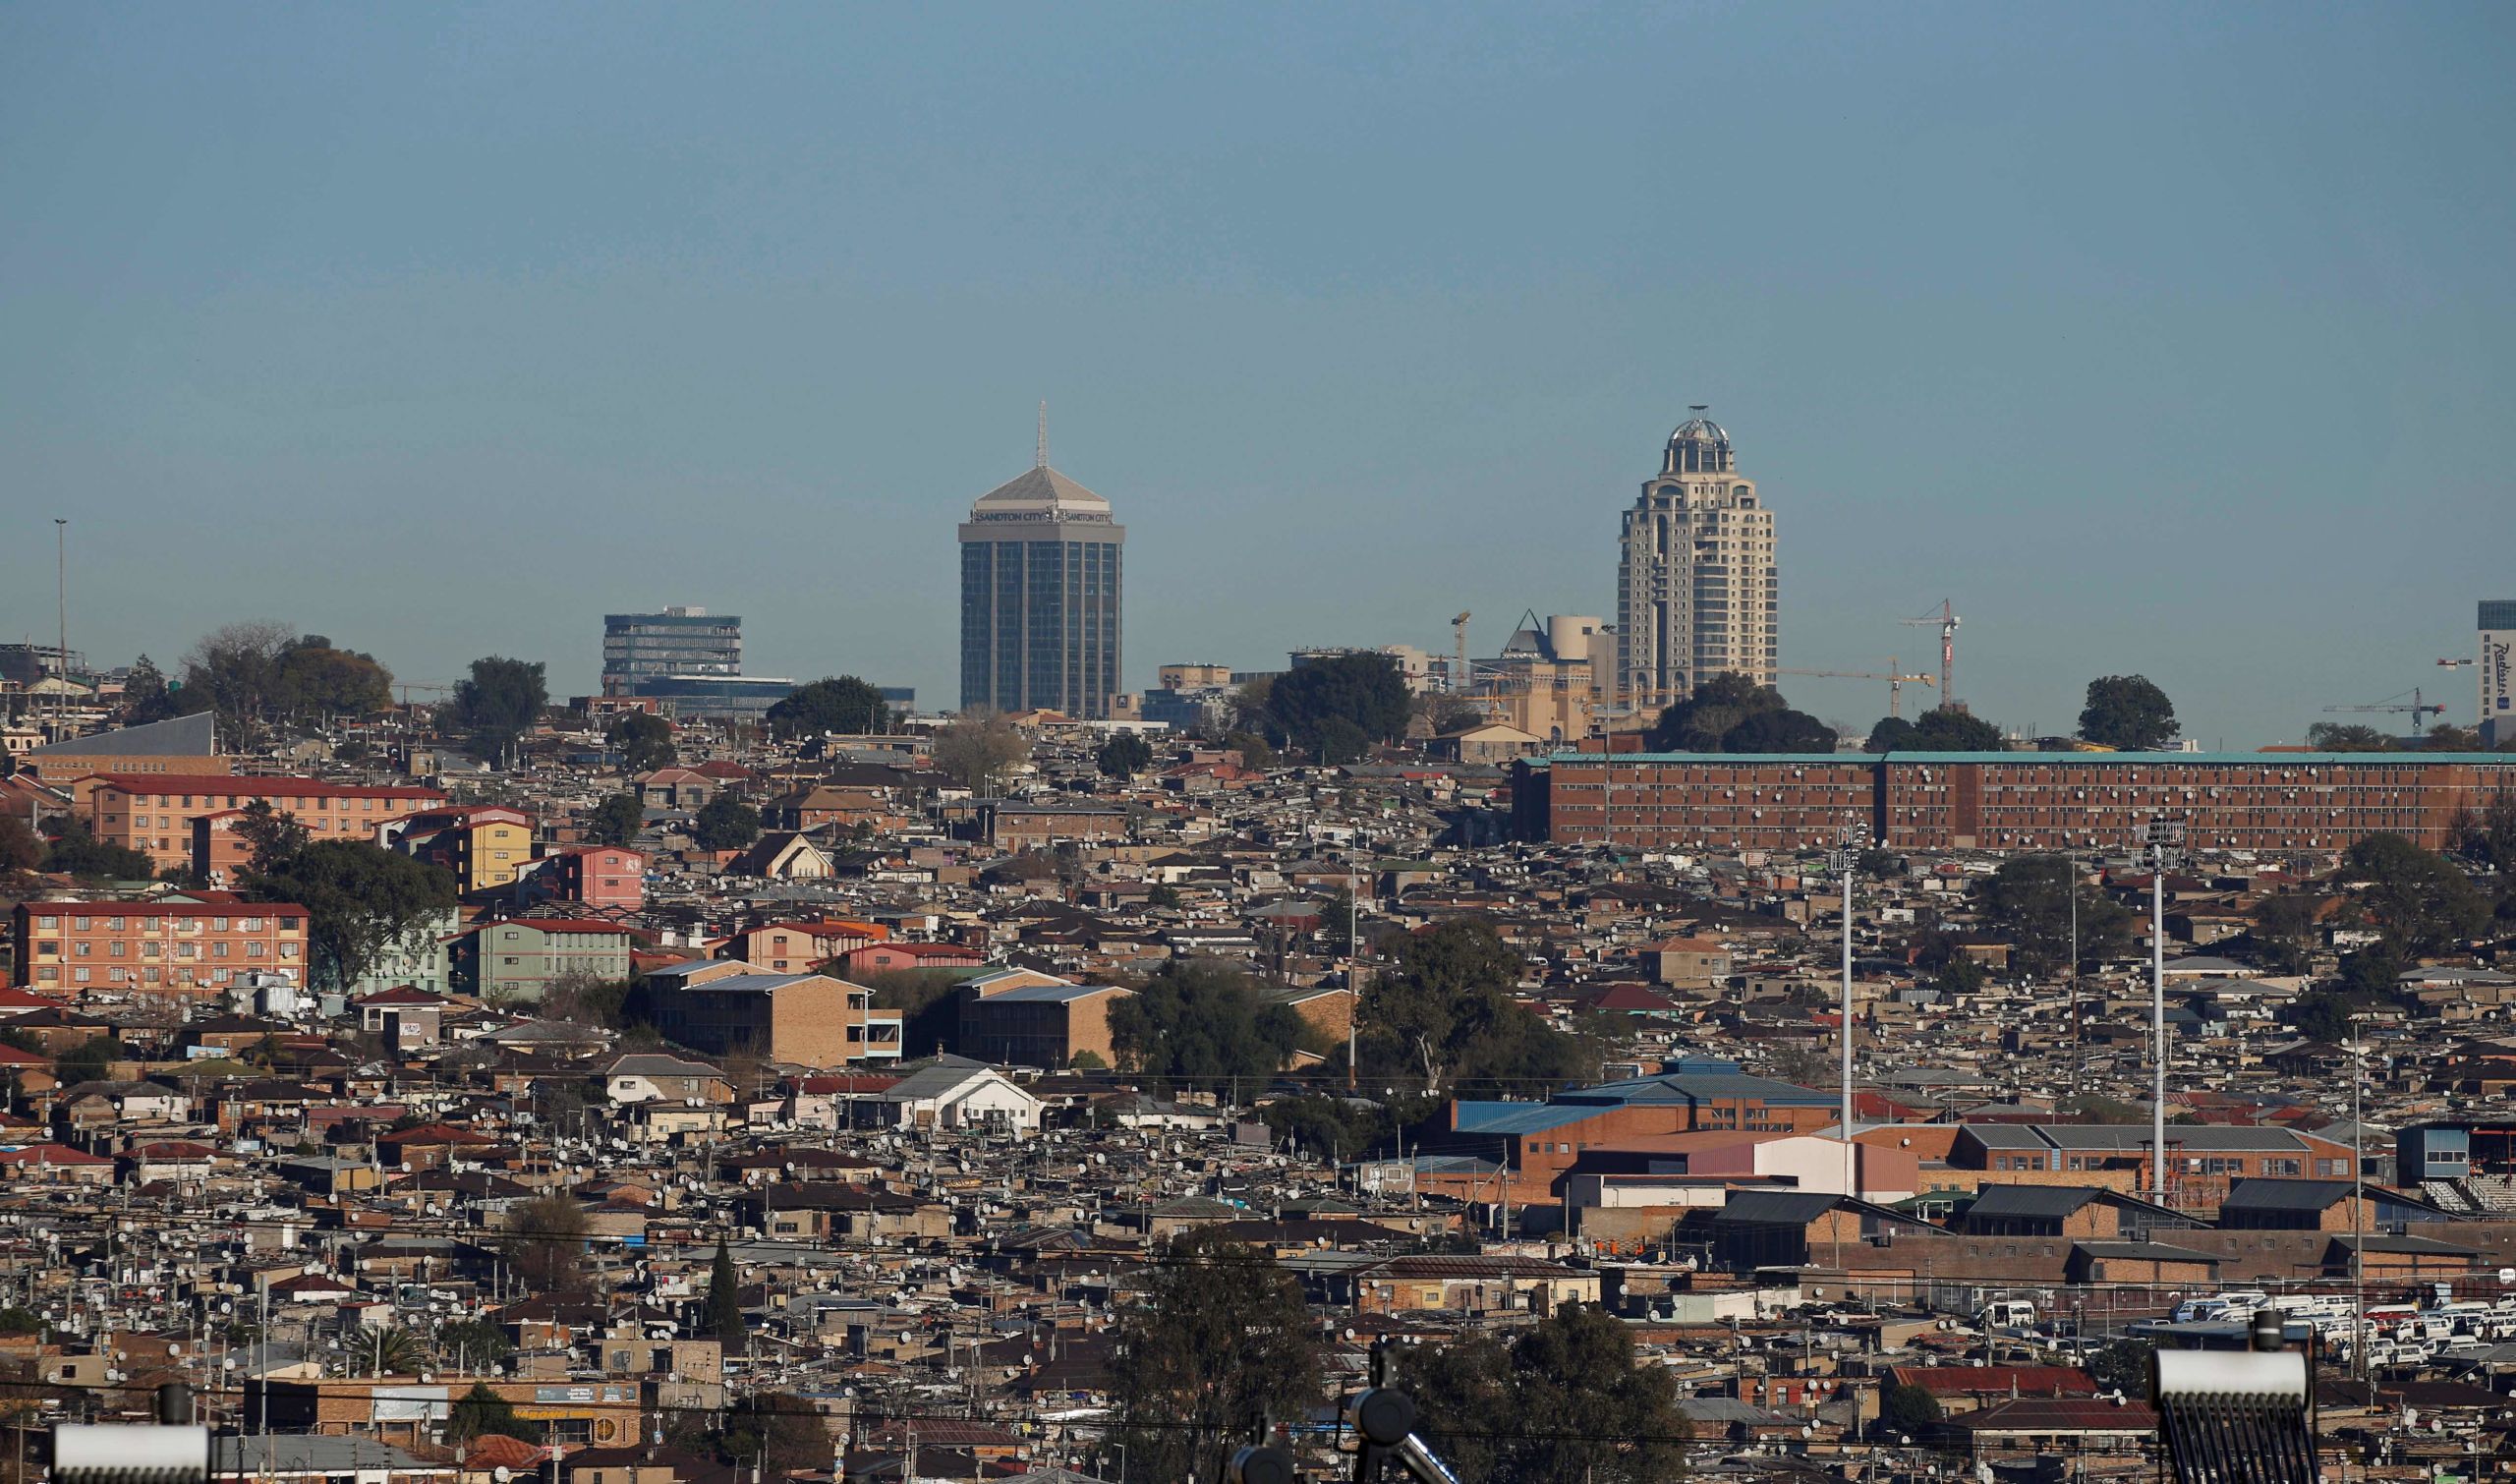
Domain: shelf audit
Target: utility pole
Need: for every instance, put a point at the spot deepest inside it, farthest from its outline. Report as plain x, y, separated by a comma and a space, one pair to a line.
2357, 1050
2162, 837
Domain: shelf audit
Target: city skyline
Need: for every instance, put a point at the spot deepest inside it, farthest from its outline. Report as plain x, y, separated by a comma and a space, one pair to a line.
2246, 454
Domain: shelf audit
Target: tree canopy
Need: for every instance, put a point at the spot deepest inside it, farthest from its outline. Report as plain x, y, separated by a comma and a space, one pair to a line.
1341, 703
544, 1244
1124, 755
1442, 1014
840, 703
361, 900
75, 851
724, 1302
251, 672
1218, 1345
976, 749
2128, 711
1563, 1402
2347, 736
2422, 901
2027, 902
1709, 713
498, 703
1203, 1026
643, 741
726, 823
616, 820
480, 1412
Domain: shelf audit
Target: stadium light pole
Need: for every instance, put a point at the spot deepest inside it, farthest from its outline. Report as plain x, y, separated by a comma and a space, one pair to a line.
2162, 837
1846, 856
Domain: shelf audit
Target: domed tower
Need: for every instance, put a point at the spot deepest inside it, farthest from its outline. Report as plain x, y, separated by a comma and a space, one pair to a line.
1696, 593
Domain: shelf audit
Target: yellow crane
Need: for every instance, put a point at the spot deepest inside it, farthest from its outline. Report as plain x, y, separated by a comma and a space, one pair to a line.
1896, 680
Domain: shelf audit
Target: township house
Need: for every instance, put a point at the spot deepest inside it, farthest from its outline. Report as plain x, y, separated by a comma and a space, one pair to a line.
484, 845
1538, 1143
600, 876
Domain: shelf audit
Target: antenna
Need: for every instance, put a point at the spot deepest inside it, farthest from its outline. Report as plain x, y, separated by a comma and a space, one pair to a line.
1041, 460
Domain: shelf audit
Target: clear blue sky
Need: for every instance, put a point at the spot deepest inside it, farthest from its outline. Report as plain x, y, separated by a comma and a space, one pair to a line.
2173, 340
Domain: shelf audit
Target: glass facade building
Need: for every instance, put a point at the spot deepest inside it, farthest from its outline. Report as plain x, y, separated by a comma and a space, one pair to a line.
1041, 585
641, 647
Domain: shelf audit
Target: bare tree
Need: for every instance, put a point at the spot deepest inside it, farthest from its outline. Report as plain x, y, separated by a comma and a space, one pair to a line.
976, 749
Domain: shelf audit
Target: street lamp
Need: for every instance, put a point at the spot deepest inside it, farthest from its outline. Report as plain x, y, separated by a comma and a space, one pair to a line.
1845, 858
2165, 840
2357, 1050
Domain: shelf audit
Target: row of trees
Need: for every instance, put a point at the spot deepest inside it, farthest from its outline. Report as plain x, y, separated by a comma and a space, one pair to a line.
1732, 713
1219, 1346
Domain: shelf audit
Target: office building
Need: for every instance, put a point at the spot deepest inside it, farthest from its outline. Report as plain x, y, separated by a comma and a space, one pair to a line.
638, 646
1695, 594
1040, 598
2497, 665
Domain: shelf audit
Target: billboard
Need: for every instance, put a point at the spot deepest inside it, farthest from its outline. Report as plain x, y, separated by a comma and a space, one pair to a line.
2498, 667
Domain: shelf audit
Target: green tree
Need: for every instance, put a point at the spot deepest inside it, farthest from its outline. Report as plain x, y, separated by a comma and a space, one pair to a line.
1908, 1411
390, 1350
500, 701
1338, 743
272, 838
21, 848
1255, 753
1334, 1129
2128, 711
482, 1412
930, 1010
1367, 692
1710, 713
2093, 1108
726, 823
1779, 731
1893, 734
2123, 1366
1124, 755
1217, 1346
2322, 1014
1944, 728
976, 751
15, 1320
145, 697
74, 851
2284, 931
1564, 1402
473, 1344
616, 820
311, 675
235, 670
643, 739
841, 703
1442, 1014
724, 1299
91, 1060
1203, 1026
2422, 901
2347, 736
2027, 902
544, 1244
2488, 838
361, 900
778, 1430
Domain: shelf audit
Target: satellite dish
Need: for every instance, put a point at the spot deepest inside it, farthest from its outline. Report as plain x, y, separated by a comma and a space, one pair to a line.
2507, 1275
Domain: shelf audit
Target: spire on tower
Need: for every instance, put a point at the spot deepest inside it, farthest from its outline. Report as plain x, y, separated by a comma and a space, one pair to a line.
1041, 461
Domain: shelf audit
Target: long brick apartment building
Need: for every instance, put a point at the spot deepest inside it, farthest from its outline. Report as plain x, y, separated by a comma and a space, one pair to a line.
157, 813
155, 948
2000, 801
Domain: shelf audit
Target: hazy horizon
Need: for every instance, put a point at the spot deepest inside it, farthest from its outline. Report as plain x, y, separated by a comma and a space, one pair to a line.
2159, 340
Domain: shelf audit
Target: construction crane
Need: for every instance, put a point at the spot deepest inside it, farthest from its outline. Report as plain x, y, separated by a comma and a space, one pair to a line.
2419, 706
1896, 680
1459, 644
1946, 621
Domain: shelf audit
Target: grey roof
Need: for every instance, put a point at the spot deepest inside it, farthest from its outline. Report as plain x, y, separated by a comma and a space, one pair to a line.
2287, 1195
2146, 1252
1043, 489
945, 1075
2030, 1200
750, 984
2407, 1246
192, 736
1789, 1207
1051, 994
2196, 1138
660, 1064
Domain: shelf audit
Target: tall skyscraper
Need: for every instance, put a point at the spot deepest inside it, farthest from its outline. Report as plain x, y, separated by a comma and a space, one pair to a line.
1696, 594
640, 647
1040, 589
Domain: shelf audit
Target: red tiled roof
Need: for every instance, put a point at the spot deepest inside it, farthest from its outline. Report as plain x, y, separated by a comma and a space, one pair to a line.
1983, 1380
44, 1154
248, 786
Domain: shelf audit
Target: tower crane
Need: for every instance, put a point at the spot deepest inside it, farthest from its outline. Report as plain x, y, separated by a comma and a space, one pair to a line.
1896, 680
2418, 707
1459, 662
1946, 621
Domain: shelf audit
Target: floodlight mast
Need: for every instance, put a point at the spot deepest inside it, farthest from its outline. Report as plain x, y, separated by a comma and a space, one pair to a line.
2164, 839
